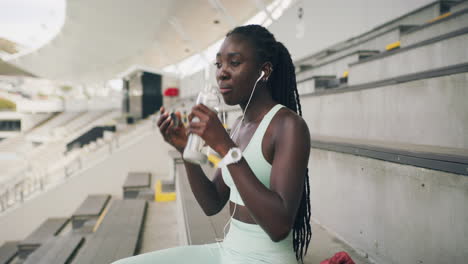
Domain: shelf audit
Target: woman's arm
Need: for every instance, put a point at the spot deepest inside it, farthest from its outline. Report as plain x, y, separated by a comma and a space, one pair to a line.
211, 195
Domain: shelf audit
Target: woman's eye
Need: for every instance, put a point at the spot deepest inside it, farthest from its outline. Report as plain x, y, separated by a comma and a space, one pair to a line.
218, 64
235, 63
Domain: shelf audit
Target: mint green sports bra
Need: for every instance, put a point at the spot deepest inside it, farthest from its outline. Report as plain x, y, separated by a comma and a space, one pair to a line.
254, 156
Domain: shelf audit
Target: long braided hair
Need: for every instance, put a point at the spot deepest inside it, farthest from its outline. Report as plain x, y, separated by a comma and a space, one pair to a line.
284, 91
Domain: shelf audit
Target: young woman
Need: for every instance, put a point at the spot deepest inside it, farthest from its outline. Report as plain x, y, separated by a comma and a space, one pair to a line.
263, 172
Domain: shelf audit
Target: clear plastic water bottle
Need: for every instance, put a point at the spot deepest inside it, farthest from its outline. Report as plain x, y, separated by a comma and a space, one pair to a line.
193, 151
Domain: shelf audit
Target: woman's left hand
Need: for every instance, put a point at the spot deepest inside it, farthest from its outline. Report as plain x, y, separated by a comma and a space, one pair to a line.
209, 128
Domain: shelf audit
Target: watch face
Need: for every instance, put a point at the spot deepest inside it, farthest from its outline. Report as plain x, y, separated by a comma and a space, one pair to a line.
235, 154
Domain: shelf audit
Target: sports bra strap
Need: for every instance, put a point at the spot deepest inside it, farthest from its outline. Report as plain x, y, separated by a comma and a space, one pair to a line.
262, 127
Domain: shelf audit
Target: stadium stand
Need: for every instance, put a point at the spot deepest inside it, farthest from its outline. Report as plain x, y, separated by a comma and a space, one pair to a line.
381, 133
41, 235
455, 21
8, 251
459, 6
58, 250
137, 185
118, 234
45, 132
94, 134
34, 167
419, 57
328, 70
383, 139
88, 212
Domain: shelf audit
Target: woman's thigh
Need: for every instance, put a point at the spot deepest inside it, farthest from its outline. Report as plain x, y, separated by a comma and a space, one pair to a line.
188, 254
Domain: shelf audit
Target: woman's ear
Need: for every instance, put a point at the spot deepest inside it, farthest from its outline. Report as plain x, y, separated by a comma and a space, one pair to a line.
267, 68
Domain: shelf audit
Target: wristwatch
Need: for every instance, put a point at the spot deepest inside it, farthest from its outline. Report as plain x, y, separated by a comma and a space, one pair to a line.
234, 155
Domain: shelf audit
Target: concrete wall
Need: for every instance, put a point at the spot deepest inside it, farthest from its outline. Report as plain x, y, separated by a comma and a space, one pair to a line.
448, 25
325, 23
394, 213
371, 41
148, 154
335, 68
424, 58
430, 112
462, 5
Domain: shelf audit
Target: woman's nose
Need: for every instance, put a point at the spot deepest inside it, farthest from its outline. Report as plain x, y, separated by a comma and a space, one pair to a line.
222, 75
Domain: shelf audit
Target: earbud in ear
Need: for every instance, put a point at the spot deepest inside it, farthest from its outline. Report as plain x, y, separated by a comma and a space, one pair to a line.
261, 75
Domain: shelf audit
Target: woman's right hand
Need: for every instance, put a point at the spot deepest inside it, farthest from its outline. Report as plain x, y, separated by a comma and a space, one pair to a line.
174, 135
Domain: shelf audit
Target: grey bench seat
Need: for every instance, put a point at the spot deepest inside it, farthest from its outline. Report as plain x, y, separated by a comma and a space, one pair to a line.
117, 236
57, 250
136, 183
199, 228
48, 229
8, 251
90, 209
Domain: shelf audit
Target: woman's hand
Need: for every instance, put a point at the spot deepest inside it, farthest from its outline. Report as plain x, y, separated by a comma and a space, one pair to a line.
174, 135
209, 128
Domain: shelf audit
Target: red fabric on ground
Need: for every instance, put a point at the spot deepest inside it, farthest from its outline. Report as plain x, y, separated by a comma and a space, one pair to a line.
339, 258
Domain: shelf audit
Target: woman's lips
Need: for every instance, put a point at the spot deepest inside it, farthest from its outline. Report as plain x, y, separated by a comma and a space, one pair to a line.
225, 90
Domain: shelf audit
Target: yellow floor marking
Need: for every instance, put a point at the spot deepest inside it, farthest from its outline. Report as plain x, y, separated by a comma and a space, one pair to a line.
160, 196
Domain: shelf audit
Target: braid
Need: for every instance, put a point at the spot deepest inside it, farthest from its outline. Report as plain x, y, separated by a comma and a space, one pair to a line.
284, 91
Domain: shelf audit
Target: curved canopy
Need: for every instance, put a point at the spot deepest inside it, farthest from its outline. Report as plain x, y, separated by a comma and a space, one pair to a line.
101, 39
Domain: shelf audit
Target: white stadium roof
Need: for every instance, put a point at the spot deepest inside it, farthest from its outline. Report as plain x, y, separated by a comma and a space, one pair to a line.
101, 40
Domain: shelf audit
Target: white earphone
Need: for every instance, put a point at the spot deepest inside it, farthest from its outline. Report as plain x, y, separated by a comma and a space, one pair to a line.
248, 102
218, 240
261, 75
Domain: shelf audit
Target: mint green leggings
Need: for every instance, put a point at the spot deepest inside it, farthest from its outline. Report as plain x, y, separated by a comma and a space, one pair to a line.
244, 243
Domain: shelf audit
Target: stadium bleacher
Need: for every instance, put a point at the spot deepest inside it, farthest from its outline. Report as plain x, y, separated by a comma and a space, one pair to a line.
58, 250
101, 232
8, 251
137, 185
373, 101
423, 56
38, 166
453, 22
461, 5
88, 212
47, 230
118, 234
45, 132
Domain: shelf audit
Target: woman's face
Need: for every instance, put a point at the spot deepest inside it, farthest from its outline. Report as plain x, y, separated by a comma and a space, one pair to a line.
237, 69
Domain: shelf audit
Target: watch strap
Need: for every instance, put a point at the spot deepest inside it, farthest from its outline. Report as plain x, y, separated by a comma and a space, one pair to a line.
229, 159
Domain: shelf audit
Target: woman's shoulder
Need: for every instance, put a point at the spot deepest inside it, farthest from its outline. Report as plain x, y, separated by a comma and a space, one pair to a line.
290, 117
289, 122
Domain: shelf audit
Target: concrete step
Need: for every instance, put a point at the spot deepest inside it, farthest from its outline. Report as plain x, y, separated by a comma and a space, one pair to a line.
417, 112
455, 21
430, 55
395, 213
335, 66
460, 6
